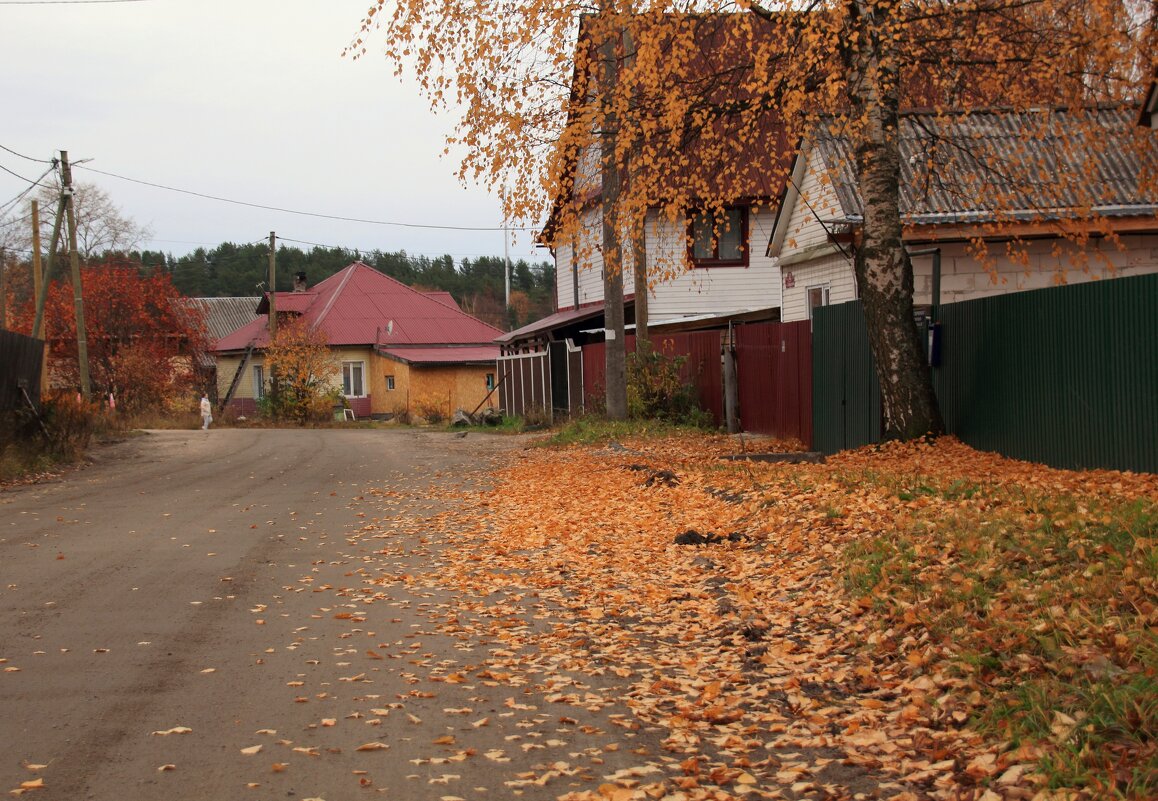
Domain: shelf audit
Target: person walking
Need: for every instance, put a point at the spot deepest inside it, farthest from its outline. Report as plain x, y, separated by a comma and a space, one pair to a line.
206, 412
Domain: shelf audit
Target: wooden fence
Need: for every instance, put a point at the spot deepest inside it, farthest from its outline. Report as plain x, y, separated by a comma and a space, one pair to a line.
20, 363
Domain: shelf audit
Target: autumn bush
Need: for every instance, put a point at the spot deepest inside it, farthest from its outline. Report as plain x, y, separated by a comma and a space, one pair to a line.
60, 434
302, 371
431, 412
142, 336
656, 389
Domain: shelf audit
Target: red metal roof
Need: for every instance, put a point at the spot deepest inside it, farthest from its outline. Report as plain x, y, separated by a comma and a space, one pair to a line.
443, 297
455, 354
552, 321
361, 306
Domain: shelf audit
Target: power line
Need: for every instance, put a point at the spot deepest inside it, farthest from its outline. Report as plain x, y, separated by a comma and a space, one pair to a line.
11, 204
63, 2
17, 175
307, 213
21, 155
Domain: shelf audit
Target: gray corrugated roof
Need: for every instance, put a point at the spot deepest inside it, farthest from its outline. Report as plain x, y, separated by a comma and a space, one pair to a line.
225, 315
989, 165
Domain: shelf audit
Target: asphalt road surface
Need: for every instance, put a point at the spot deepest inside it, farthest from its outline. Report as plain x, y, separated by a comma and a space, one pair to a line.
173, 628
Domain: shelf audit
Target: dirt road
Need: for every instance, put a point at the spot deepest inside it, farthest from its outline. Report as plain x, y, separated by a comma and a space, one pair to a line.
182, 620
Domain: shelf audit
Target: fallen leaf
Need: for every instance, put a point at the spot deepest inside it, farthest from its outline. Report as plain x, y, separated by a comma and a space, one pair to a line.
373, 746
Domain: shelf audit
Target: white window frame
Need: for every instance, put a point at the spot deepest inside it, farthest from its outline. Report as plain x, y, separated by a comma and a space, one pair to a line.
825, 297
258, 381
390, 383
348, 378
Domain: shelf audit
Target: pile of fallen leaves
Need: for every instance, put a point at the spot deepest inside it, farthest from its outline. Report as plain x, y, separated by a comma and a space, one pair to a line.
908, 621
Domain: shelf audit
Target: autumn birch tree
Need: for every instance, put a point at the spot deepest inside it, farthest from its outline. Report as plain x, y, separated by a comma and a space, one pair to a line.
715, 94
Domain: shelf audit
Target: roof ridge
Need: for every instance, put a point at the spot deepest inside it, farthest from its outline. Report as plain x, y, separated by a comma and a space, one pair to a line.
349, 271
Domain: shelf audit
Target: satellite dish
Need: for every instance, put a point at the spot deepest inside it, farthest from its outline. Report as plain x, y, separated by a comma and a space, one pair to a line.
389, 327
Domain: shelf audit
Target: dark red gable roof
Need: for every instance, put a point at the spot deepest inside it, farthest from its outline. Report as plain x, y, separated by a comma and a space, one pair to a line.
361, 306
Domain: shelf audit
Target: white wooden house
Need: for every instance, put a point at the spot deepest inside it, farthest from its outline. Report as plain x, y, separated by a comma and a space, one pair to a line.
697, 279
993, 192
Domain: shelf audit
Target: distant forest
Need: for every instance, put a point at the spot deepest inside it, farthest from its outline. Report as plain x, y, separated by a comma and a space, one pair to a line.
230, 270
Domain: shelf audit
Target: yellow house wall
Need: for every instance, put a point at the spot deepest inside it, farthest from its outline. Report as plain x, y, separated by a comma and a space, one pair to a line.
227, 366
420, 388
415, 387
386, 401
448, 388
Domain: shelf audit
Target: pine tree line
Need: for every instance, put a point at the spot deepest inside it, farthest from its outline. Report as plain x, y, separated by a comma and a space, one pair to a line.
230, 270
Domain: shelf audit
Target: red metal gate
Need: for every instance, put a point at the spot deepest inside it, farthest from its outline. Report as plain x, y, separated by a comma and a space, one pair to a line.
703, 367
774, 373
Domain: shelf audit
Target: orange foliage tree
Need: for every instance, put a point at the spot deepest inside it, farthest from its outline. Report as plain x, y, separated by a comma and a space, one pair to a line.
592, 115
302, 371
145, 343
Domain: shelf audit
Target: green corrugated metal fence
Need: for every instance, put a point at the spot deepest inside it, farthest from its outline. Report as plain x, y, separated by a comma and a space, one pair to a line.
846, 397
1067, 376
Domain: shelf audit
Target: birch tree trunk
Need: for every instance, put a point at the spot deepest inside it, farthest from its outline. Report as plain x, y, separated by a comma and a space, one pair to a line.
613, 322
884, 272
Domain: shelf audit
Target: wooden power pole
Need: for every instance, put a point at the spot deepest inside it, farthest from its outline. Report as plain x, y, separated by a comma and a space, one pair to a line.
3, 289
77, 287
38, 288
37, 275
41, 296
272, 285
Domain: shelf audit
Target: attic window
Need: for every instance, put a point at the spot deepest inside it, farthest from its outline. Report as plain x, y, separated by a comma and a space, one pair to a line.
719, 240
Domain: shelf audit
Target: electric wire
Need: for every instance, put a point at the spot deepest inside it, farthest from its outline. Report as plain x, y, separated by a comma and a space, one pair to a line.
338, 217
11, 204
29, 158
64, 2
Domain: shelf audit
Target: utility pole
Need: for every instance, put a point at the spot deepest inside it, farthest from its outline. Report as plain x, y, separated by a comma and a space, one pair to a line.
38, 282
77, 288
38, 324
3, 289
272, 285
507, 263
37, 275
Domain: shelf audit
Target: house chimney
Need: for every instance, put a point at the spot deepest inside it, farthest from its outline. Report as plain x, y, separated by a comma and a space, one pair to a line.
300, 282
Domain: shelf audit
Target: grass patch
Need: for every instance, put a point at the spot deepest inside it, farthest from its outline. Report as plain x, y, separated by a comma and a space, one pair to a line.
1048, 609
598, 431
508, 425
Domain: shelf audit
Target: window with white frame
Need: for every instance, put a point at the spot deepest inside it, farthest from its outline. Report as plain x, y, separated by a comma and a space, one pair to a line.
353, 379
817, 296
390, 382
258, 381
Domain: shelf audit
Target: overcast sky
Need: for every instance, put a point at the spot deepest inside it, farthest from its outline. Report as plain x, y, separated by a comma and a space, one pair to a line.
243, 99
